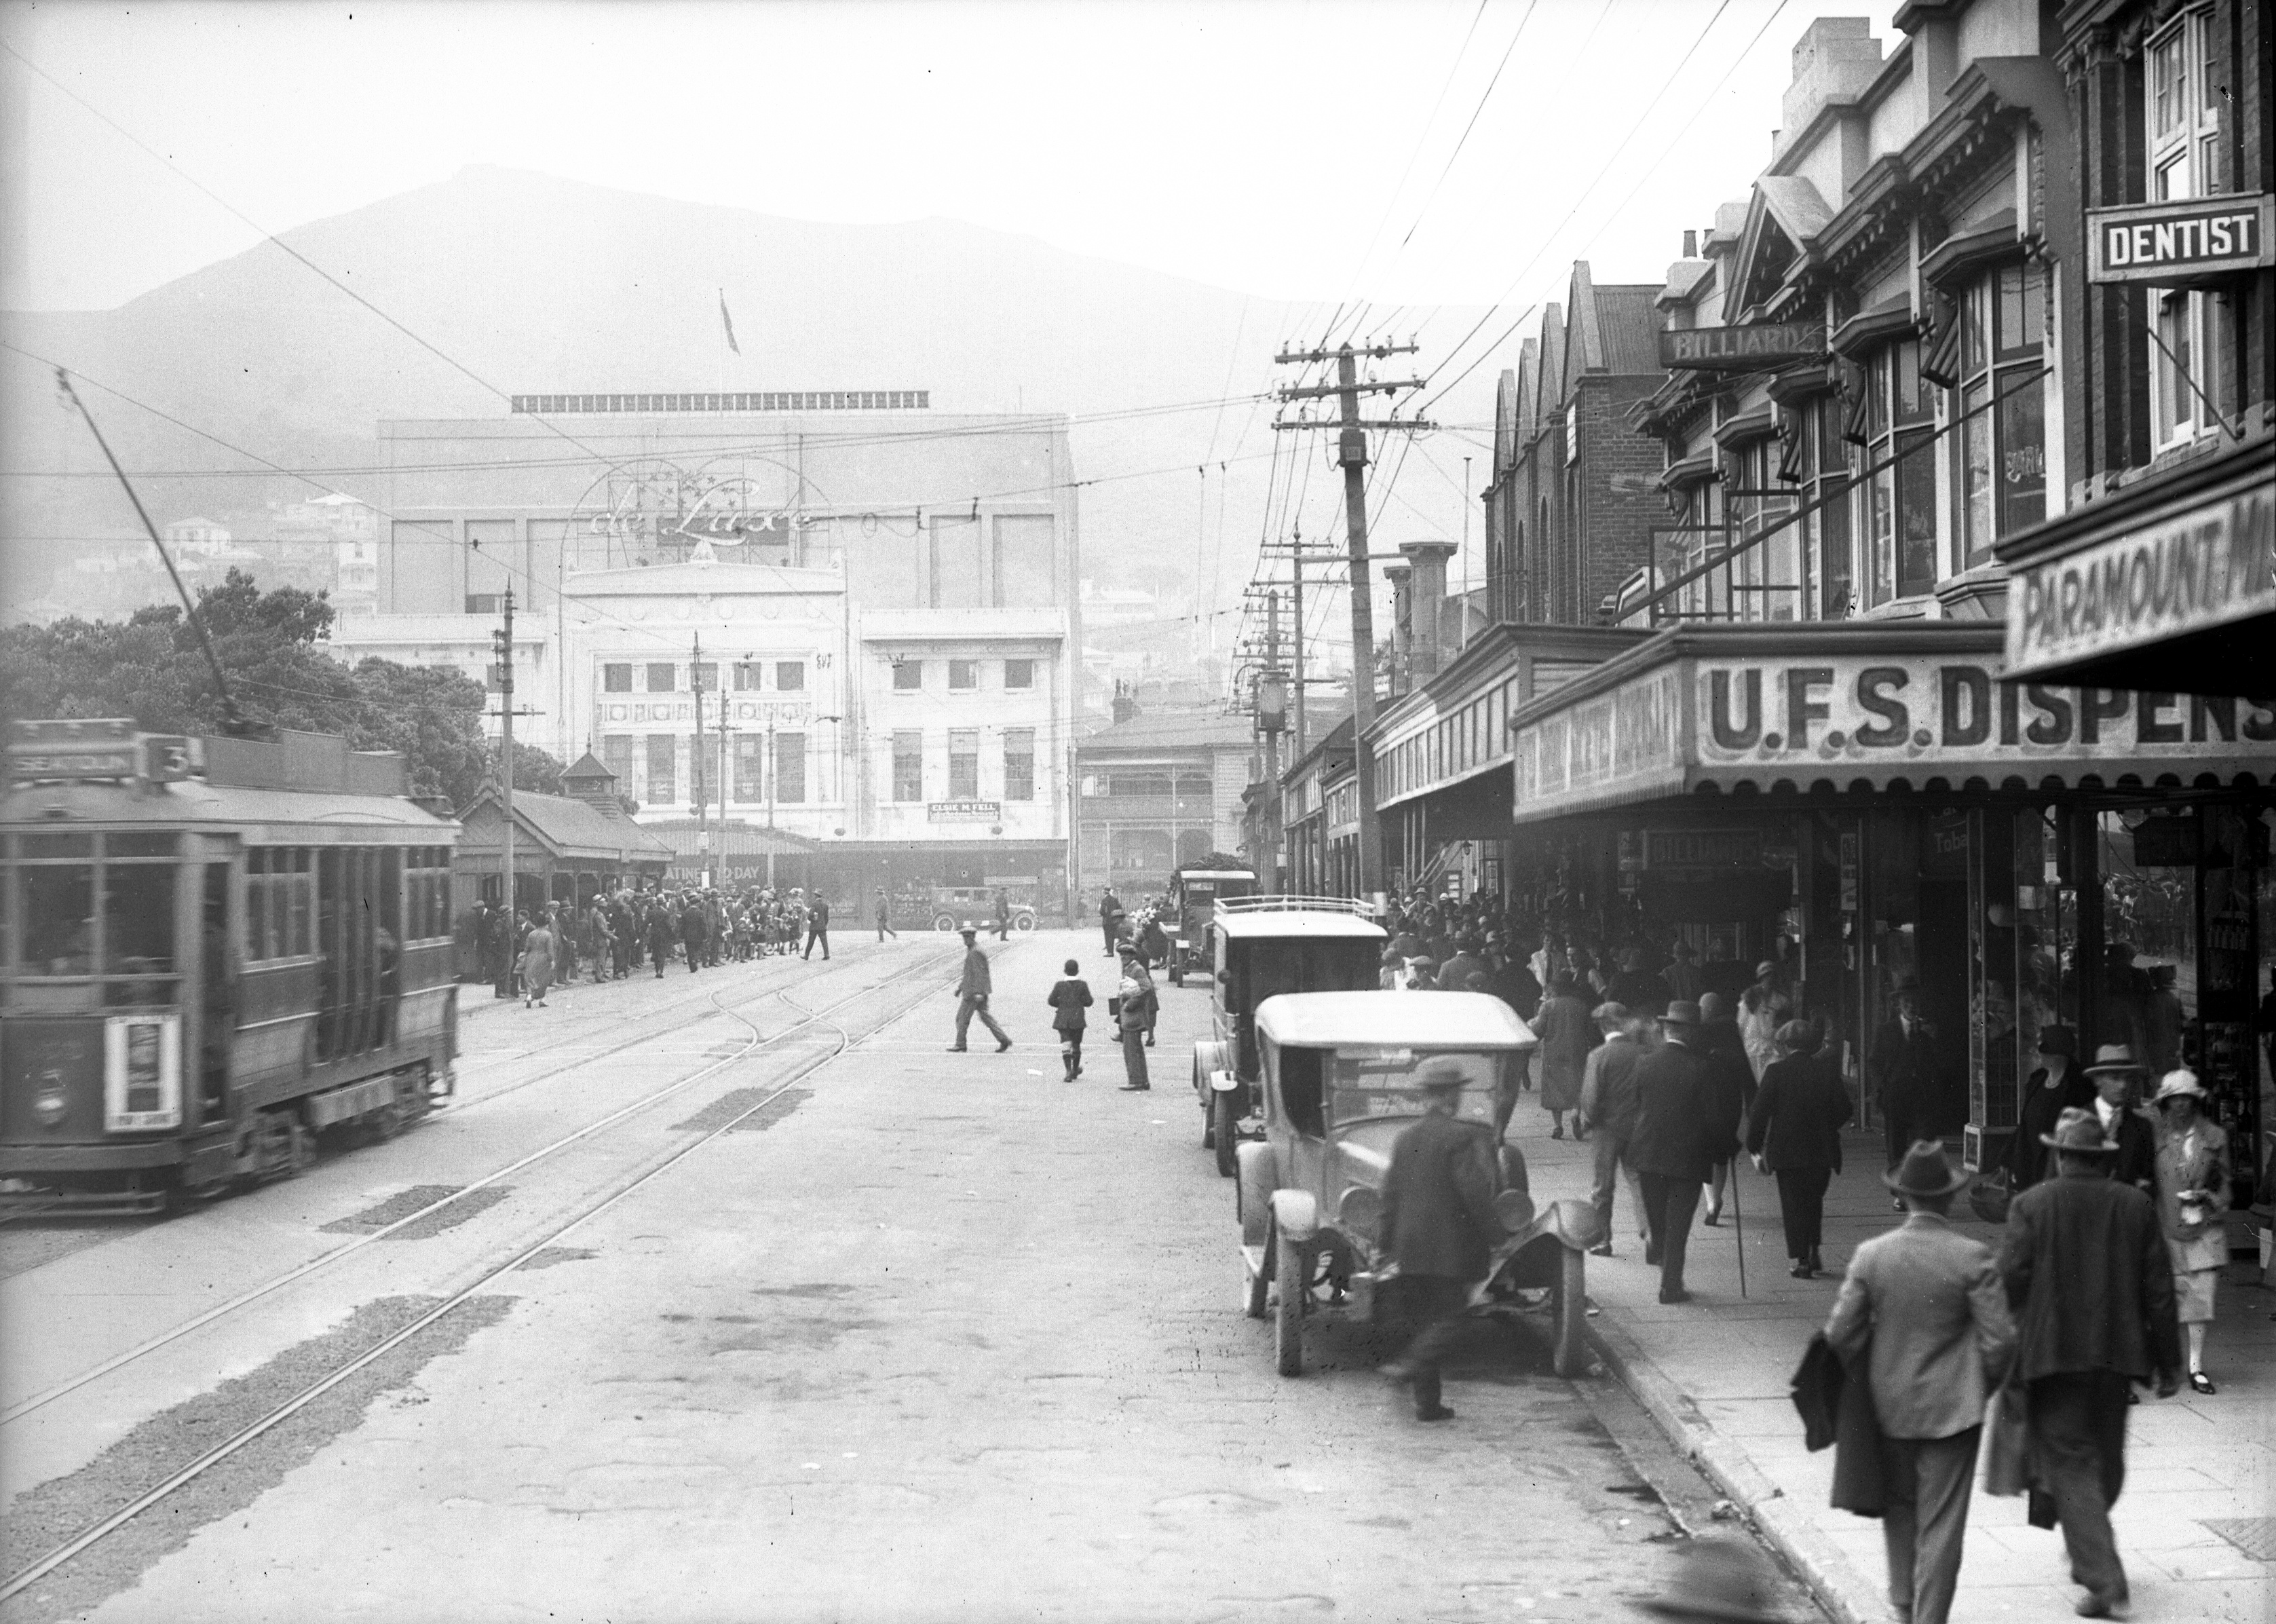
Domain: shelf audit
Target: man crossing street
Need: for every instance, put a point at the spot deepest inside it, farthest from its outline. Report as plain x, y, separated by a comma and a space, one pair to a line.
817, 927
972, 991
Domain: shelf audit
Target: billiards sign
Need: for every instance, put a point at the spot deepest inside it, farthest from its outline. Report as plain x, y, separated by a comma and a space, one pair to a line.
2173, 244
1753, 346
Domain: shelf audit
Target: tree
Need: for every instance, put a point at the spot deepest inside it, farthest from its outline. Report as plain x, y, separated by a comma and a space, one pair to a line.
536, 770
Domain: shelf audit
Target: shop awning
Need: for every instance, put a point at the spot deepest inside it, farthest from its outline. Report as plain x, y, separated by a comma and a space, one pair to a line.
1853, 708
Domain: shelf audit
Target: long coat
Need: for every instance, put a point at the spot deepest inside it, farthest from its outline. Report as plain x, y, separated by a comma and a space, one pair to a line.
1797, 1114
1438, 1215
2028, 1160
1566, 1035
2087, 1277
2202, 1164
1685, 1122
1069, 998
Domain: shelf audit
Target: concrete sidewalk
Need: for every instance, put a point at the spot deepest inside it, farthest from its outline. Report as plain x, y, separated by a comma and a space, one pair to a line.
2195, 1523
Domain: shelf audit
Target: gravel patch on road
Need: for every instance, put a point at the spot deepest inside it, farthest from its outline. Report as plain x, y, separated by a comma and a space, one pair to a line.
43, 1518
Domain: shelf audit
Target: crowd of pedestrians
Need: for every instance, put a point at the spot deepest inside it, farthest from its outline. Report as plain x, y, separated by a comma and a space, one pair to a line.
616, 933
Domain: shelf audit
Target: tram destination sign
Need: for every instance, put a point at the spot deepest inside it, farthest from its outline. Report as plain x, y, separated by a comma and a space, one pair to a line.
1757, 347
2172, 244
73, 751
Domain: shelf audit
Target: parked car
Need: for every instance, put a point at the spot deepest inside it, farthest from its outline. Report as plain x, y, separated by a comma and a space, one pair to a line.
955, 906
1263, 946
1195, 894
1338, 1090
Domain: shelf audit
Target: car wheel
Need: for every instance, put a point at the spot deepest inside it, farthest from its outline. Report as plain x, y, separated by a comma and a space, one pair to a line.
1294, 1273
1225, 1112
944, 921
1257, 1289
1024, 923
1209, 1122
1570, 1356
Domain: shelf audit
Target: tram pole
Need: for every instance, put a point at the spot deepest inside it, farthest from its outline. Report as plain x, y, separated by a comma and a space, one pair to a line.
504, 640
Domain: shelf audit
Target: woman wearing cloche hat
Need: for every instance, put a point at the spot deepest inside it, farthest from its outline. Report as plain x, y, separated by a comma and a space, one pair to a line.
2193, 1176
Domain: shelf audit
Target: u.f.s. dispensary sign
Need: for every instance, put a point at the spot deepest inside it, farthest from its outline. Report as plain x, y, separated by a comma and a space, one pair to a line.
2199, 571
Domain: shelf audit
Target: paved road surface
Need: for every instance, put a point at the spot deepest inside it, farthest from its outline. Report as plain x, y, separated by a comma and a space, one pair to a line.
931, 1336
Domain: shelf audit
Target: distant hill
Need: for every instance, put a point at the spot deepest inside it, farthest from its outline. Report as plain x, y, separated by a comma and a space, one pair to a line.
538, 283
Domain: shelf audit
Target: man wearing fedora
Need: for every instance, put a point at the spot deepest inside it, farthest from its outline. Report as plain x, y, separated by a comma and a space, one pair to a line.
2117, 1077
1922, 1305
2092, 1288
1902, 1065
1440, 1225
1685, 1124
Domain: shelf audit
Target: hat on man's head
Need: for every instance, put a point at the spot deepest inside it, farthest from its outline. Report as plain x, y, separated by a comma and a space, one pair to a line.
1680, 1012
1799, 1036
2114, 1058
2055, 1039
2178, 1084
2078, 1131
1768, 966
1439, 1076
1925, 1171
966, 930
1616, 1014
1710, 1006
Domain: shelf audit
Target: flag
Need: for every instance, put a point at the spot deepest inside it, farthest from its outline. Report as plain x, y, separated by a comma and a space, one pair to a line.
728, 322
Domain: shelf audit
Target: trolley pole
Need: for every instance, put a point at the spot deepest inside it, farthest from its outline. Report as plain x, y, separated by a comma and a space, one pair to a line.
504, 639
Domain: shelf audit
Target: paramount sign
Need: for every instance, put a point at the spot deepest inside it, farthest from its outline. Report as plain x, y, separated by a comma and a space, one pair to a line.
1758, 346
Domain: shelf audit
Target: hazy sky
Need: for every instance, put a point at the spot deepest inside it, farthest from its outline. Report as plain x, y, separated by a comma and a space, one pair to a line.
1303, 151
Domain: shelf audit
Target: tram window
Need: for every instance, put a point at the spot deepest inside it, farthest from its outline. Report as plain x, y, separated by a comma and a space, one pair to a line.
59, 846
58, 907
137, 918
138, 845
256, 907
301, 913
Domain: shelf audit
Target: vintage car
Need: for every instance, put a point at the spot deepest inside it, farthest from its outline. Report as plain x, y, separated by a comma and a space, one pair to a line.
1338, 1090
1195, 894
1263, 946
955, 906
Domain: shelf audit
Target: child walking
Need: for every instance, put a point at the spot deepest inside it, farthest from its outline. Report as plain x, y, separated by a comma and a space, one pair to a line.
1069, 998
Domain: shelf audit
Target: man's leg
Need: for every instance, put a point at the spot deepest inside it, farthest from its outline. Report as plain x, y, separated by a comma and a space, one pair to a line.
2064, 1425
825, 945
1134, 1058
1003, 1038
1437, 1302
1681, 1205
1655, 1217
1900, 1518
1943, 1472
1600, 1194
964, 1007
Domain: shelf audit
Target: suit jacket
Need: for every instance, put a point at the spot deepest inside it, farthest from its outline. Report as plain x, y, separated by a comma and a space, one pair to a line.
1685, 1122
1070, 997
2028, 1161
1797, 1115
1608, 1091
976, 980
1929, 1300
2137, 1161
2089, 1280
1903, 1067
1439, 1214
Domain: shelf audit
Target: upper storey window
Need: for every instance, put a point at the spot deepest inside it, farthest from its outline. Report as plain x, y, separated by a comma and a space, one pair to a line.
2181, 105
1900, 496
2002, 448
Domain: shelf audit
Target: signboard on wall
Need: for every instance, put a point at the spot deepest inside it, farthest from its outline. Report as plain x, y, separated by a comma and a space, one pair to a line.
1628, 739
964, 811
2173, 243
1756, 346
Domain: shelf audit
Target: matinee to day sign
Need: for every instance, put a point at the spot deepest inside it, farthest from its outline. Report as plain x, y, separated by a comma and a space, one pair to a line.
2167, 243
2203, 569
1868, 711
1757, 347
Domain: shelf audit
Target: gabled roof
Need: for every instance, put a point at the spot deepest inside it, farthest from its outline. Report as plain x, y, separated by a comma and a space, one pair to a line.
570, 826
1505, 442
1549, 387
1173, 730
1528, 386
587, 766
1785, 217
1628, 324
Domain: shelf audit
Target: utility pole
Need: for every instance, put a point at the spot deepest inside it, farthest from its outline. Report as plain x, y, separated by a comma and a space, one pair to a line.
695, 761
1351, 453
766, 768
503, 640
1271, 855
1296, 571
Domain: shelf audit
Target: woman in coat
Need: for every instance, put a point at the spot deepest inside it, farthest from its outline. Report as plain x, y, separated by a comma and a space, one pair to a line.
1566, 1035
2193, 1177
1795, 1132
536, 965
2056, 1085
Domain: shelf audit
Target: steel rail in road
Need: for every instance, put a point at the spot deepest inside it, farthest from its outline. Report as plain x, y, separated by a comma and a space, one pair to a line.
323, 1260
213, 1457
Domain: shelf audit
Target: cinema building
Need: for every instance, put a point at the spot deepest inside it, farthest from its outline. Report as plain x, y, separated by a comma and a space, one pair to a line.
1893, 378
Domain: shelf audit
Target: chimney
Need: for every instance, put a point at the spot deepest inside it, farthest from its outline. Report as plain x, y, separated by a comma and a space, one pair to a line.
1691, 245
1401, 624
1835, 63
1430, 639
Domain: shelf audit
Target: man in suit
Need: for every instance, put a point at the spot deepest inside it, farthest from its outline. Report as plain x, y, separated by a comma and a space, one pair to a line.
1608, 1105
2117, 1079
1902, 1065
1922, 1305
1109, 910
817, 927
1684, 1126
1439, 1225
972, 990
2092, 1288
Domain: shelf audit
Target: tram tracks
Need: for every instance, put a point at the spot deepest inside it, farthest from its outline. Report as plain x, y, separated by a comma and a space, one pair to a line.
553, 1233
751, 1046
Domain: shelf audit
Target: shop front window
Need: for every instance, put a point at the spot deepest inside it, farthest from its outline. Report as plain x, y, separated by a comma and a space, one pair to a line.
2148, 865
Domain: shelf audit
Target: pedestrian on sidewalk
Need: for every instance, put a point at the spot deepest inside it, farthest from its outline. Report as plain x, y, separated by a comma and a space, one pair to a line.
1608, 1105
2056, 1085
1735, 1083
817, 928
973, 988
536, 965
1069, 998
663, 935
1439, 1225
1901, 1066
1109, 910
885, 917
2117, 1078
1683, 1127
1133, 1012
1921, 1308
1794, 1133
2092, 1289
1003, 914
2193, 1179
1566, 1035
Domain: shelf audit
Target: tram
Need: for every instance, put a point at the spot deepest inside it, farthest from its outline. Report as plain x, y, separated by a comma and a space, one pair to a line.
211, 950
